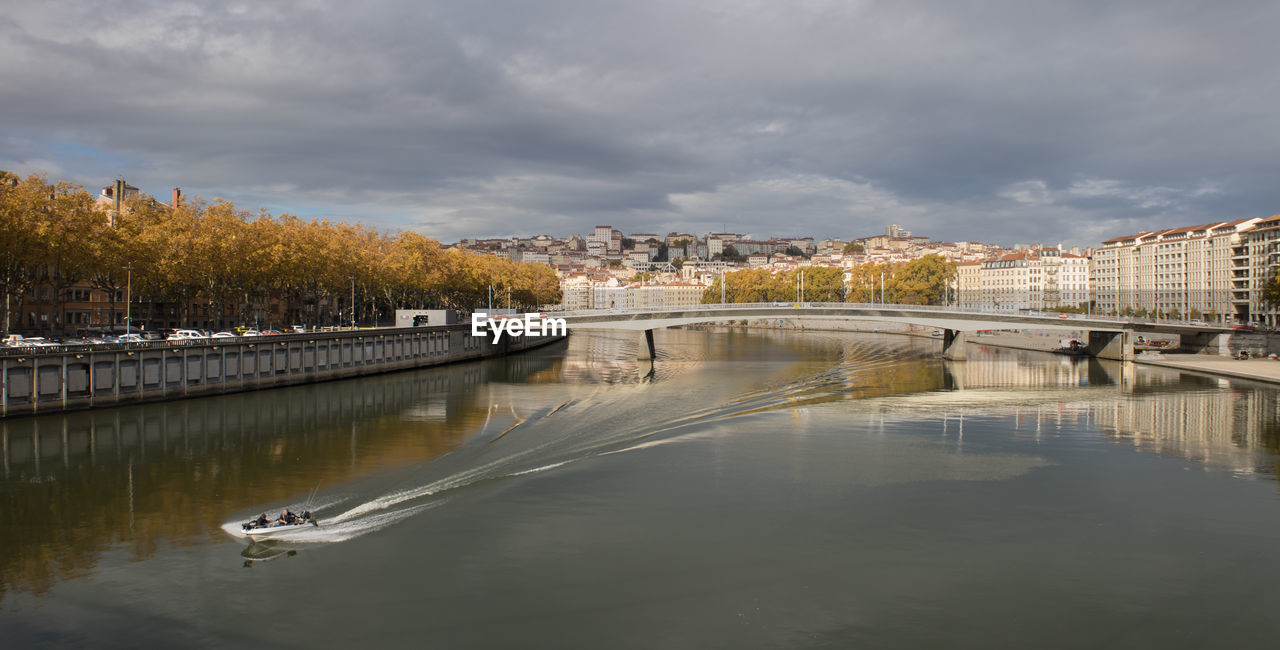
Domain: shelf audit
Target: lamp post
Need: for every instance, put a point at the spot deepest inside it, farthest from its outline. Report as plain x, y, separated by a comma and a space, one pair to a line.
353, 302
128, 302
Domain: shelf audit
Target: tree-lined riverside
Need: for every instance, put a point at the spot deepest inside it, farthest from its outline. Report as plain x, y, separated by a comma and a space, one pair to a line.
233, 262
924, 281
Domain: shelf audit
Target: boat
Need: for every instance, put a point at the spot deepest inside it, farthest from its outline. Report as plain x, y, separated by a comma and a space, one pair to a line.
286, 524
1071, 346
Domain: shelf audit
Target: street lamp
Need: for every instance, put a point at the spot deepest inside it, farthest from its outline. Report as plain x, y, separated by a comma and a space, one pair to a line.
128, 302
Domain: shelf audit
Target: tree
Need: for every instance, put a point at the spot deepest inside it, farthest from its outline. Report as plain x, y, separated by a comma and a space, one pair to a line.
924, 281
219, 263
866, 281
729, 254
23, 225
821, 284
853, 247
1271, 290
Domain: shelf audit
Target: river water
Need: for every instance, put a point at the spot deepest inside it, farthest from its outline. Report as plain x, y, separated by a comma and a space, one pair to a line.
749, 489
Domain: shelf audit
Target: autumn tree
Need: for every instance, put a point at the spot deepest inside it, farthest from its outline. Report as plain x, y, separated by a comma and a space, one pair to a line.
22, 223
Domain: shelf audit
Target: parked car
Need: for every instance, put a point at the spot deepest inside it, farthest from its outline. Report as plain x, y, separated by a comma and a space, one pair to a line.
222, 335
130, 338
271, 332
34, 342
250, 332
185, 335
1243, 327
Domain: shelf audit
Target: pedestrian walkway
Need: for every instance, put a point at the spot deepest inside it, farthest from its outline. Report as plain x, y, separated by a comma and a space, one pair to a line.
1267, 370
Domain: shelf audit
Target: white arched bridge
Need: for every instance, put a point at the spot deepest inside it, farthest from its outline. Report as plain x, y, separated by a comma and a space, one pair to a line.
1109, 338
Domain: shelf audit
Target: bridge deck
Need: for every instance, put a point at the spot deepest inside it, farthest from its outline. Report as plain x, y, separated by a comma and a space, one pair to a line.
644, 318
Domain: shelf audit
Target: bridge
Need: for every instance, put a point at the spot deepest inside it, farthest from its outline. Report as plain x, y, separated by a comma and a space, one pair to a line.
1109, 337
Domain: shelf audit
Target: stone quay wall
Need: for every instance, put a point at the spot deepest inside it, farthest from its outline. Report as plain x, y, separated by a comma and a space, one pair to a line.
35, 381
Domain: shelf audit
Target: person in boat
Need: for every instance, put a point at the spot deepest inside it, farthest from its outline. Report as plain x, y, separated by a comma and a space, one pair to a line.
286, 517
261, 520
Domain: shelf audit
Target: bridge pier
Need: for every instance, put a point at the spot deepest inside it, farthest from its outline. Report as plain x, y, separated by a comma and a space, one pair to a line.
647, 350
953, 345
1111, 345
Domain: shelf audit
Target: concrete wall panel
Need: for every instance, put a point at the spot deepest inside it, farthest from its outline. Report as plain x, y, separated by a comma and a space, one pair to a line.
104, 374
77, 378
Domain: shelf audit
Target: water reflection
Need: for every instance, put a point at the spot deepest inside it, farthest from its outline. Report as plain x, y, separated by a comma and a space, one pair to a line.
136, 477
1222, 428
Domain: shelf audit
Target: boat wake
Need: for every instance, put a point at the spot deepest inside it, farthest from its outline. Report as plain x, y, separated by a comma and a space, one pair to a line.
573, 422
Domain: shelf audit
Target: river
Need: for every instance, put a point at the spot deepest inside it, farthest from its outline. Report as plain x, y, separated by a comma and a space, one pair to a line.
765, 489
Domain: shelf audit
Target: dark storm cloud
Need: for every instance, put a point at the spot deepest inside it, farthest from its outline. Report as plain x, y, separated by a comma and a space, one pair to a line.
1007, 122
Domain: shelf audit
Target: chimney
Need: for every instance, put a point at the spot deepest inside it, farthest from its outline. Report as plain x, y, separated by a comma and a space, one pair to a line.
177, 196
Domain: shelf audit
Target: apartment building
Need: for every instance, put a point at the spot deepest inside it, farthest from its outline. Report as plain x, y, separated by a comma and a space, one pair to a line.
1032, 278
1262, 245
618, 295
1203, 269
969, 285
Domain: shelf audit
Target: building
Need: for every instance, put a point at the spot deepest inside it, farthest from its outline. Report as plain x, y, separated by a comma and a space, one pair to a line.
1204, 270
1040, 279
1262, 245
969, 285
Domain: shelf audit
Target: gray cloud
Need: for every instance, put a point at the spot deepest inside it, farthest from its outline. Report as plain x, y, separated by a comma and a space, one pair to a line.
1006, 122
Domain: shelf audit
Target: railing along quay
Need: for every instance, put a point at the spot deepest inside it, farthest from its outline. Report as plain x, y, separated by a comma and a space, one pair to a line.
78, 376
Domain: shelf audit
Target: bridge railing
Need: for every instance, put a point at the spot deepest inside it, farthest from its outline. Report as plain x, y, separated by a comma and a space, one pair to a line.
859, 306
748, 307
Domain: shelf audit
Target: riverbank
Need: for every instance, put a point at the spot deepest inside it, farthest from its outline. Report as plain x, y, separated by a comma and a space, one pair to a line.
52, 382
1264, 370
1255, 369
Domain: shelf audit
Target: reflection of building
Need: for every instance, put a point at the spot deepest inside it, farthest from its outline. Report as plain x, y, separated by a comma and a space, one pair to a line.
1010, 369
1217, 427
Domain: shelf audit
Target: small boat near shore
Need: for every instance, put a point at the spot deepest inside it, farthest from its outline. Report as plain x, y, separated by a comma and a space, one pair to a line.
1071, 346
287, 523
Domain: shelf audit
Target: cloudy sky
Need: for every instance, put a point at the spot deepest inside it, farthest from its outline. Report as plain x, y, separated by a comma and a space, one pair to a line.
1008, 122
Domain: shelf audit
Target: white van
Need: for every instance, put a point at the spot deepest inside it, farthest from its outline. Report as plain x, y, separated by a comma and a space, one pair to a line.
185, 335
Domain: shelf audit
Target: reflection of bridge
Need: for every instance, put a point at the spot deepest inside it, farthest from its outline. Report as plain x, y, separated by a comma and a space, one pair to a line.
1109, 338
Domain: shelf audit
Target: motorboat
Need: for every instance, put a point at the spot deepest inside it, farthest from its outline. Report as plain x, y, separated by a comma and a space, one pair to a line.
1071, 346
288, 523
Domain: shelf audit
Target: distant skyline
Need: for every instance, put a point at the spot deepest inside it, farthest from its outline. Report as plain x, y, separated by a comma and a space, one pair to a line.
1004, 122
